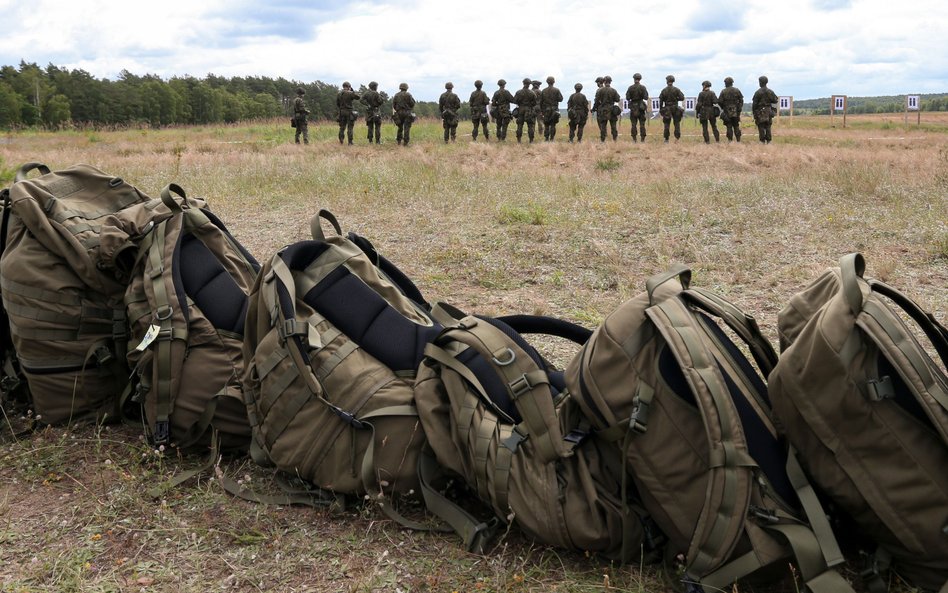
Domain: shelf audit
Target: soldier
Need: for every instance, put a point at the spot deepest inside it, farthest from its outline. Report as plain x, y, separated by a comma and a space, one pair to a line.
402, 105
577, 109
526, 102
550, 98
607, 99
347, 113
448, 105
764, 106
732, 103
500, 109
536, 91
595, 107
299, 117
707, 109
669, 108
479, 102
373, 101
637, 96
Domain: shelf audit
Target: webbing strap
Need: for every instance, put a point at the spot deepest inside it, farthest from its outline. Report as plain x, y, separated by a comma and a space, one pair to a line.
164, 314
47, 296
183, 477
443, 357
744, 325
475, 533
935, 331
725, 510
815, 514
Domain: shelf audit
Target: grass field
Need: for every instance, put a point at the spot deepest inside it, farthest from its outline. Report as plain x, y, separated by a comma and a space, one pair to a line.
570, 230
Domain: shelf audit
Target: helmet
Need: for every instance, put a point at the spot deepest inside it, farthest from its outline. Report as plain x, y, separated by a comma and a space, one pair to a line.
578, 86
449, 85
346, 85
706, 83
607, 79
669, 78
403, 86
763, 80
478, 84
599, 80
728, 81
501, 82
535, 83
526, 81
300, 91
373, 85
637, 76
550, 80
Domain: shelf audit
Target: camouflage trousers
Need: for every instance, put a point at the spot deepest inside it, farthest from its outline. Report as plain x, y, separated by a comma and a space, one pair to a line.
732, 126
713, 121
375, 128
611, 123
576, 129
478, 123
345, 128
403, 123
531, 127
502, 123
667, 120
638, 120
302, 129
763, 131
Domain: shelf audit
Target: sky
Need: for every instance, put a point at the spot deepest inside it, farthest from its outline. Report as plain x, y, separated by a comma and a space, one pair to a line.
808, 49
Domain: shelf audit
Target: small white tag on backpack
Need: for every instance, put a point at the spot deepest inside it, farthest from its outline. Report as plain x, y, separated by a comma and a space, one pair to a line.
150, 336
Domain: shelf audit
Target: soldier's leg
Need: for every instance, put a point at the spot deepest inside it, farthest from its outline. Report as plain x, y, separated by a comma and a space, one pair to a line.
704, 131
378, 132
579, 132
407, 135
531, 128
603, 129
474, 131
737, 129
298, 132
666, 122
761, 133
572, 130
486, 133
714, 128
349, 129
642, 123
399, 131
305, 134
615, 129
677, 121
552, 127
446, 128
728, 128
342, 131
770, 127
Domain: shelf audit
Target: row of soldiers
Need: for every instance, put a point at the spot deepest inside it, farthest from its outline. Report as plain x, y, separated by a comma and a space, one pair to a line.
535, 108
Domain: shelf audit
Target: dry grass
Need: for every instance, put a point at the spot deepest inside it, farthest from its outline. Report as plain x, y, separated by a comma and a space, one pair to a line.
569, 230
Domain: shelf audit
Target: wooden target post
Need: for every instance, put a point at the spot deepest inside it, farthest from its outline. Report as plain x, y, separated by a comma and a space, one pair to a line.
913, 103
838, 103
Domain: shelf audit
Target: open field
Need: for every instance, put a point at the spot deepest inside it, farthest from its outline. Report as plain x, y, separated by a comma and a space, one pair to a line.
567, 230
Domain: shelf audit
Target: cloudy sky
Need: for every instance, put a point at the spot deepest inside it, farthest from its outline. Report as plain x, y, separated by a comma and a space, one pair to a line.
808, 48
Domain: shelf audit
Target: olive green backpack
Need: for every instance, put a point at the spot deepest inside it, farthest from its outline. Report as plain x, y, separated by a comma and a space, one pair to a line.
687, 415
61, 292
498, 419
866, 407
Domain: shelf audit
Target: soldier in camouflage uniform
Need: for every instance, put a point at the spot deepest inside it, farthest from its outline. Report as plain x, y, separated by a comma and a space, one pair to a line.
448, 106
535, 84
500, 109
550, 98
347, 114
577, 109
299, 117
595, 106
373, 101
607, 100
526, 101
637, 96
402, 105
732, 103
669, 108
763, 104
479, 102
706, 106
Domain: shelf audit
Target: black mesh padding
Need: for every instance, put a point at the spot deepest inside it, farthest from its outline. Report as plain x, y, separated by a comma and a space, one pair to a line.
366, 318
204, 279
671, 372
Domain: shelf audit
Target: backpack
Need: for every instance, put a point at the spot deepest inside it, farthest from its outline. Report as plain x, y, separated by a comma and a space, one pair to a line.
497, 416
866, 407
688, 415
334, 336
186, 303
63, 302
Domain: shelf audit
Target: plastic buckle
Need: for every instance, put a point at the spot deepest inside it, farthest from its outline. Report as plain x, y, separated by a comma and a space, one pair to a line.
880, 389
103, 355
164, 334
519, 386
513, 441
483, 532
288, 328
765, 515
349, 418
162, 432
638, 421
576, 436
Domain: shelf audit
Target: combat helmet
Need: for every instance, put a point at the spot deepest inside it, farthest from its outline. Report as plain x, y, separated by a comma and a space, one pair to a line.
346, 85
373, 85
449, 85
535, 83
763, 80
501, 82
607, 79
637, 76
550, 80
599, 80
728, 81
670, 78
478, 84
578, 86
527, 81
403, 86
706, 84
300, 91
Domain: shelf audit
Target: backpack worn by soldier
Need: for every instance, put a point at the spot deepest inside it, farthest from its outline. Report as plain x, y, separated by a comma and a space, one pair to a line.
671, 111
373, 101
707, 109
299, 117
402, 105
764, 105
608, 99
345, 102
577, 109
448, 105
637, 96
550, 98
731, 101
479, 103
526, 101
500, 109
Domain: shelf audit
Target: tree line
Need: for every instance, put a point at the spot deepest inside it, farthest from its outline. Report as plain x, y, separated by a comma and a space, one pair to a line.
56, 98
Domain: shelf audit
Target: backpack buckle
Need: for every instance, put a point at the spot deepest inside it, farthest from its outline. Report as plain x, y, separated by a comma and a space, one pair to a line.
162, 432
638, 421
765, 515
290, 327
576, 436
520, 385
880, 389
513, 441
